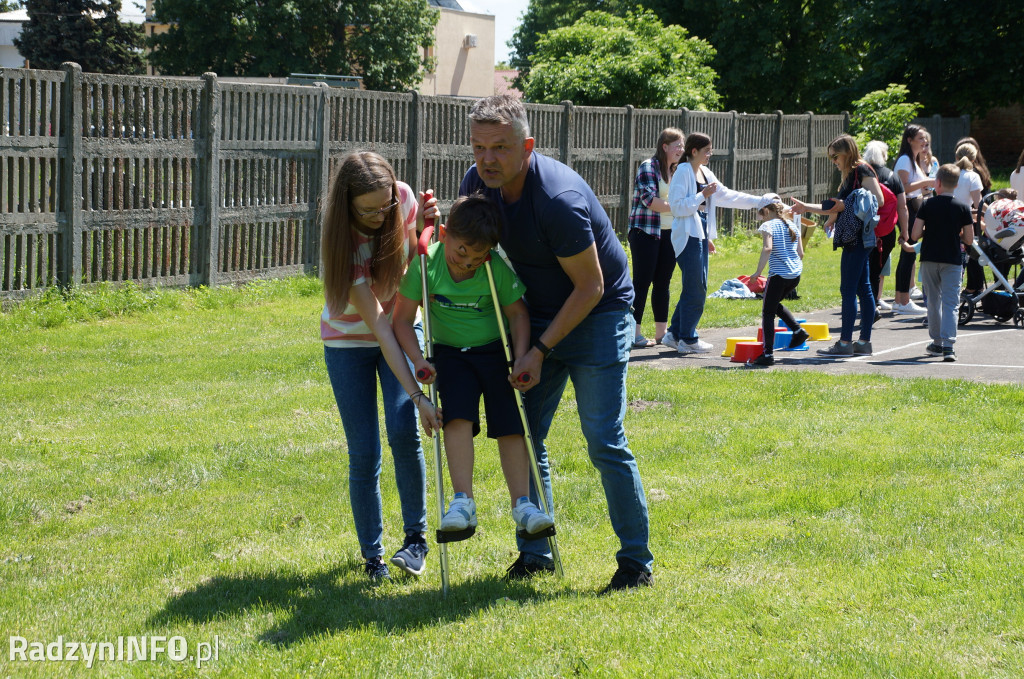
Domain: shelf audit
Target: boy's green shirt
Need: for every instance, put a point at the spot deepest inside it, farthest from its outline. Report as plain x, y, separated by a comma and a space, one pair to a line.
462, 314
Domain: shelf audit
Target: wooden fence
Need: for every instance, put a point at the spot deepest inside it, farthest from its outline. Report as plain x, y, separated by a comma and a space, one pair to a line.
193, 181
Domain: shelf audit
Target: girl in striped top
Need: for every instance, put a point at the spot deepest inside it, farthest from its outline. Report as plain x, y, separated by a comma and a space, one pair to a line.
368, 238
783, 253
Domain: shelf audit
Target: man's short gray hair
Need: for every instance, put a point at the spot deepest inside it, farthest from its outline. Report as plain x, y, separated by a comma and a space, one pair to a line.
502, 109
876, 152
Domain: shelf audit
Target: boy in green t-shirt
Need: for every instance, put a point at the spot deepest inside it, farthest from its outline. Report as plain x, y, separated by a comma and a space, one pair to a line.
469, 355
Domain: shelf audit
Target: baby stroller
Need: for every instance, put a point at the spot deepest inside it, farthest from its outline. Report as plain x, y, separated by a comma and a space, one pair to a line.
999, 247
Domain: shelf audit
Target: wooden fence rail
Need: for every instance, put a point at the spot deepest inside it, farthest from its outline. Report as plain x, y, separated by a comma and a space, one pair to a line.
195, 181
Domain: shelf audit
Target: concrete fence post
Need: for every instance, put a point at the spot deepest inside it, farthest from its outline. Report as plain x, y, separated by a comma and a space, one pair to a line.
416, 120
70, 203
777, 153
627, 163
209, 189
565, 143
323, 165
810, 156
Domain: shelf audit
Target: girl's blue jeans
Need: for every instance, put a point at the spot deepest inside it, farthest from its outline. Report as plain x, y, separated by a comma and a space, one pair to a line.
693, 265
355, 373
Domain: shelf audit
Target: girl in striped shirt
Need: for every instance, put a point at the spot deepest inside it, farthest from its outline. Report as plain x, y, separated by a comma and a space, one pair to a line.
784, 253
368, 238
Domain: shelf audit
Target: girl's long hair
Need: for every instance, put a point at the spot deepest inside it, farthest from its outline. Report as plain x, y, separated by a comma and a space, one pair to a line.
847, 145
669, 135
910, 132
980, 166
360, 173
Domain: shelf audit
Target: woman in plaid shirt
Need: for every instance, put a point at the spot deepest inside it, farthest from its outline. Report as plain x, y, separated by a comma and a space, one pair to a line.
650, 230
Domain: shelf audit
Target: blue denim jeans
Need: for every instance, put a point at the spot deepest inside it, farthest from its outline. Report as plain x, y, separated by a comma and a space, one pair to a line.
594, 356
854, 285
693, 264
354, 373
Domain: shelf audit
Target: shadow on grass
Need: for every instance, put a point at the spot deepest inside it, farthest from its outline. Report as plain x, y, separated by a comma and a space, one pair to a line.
329, 601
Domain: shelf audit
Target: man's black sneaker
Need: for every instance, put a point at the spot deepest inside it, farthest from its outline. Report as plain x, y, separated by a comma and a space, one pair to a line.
948, 355
376, 570
411, 556
933, 349
628, 578
522, 570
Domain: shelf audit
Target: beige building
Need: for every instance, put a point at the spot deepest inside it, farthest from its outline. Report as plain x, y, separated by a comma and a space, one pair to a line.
464, 52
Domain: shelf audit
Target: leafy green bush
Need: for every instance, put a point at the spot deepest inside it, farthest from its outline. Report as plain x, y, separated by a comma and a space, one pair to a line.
882, 115
605, 60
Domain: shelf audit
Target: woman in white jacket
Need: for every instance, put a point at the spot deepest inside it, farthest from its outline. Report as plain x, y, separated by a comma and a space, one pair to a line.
693, 196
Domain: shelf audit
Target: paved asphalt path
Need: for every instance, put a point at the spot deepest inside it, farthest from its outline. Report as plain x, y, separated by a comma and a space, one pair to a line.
986, 351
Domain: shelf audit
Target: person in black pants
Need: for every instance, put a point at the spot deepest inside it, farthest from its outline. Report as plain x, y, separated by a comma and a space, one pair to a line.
876, 153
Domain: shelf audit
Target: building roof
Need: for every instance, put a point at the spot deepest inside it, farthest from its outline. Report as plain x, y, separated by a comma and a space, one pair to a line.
130, 15
19, 15
460, 5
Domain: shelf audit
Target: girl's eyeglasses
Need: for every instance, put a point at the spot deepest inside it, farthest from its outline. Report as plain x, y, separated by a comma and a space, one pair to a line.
381, 211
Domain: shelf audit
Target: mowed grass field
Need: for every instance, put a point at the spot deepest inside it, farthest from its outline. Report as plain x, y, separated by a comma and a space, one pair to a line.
172, 465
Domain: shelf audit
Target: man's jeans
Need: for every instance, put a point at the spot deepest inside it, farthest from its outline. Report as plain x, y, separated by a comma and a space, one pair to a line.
594, 356
354, 373
693, 264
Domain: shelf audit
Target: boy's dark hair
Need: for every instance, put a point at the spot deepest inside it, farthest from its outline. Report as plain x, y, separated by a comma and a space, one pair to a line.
475, 219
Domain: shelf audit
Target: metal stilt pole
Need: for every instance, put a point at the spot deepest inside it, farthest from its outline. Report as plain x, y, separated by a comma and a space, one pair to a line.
538, 482
428, 341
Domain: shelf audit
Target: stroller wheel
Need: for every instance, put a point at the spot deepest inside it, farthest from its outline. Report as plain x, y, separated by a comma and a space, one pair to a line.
1018, 318
966, 313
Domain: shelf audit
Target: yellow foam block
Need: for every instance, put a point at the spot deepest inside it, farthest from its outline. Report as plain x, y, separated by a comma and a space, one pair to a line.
730, 344
817, 331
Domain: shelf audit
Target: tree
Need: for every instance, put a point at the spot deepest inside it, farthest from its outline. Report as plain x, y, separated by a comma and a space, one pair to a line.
787, 55
542, 16
882, 115
380, 40
85, 31
953, 57
604, 60
9, 5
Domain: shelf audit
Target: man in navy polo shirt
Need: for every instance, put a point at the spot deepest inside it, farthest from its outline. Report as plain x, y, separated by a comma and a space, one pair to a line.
578, 289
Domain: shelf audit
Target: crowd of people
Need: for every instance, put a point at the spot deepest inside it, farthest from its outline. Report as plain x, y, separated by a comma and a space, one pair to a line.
574, 308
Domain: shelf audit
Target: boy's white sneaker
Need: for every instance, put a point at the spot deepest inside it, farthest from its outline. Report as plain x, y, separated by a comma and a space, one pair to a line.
461, 513
529, 518
884, 306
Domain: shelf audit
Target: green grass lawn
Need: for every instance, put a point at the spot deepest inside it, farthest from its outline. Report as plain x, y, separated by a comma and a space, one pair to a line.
174, 466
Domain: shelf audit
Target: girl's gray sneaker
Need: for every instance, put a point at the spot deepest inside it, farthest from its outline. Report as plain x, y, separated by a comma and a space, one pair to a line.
837, 349
410, 558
